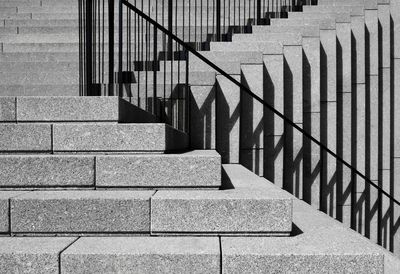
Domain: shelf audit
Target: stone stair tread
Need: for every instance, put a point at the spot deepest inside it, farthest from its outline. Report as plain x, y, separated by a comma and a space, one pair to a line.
143, 255
74, 212
90, 137
193, 169
17, 255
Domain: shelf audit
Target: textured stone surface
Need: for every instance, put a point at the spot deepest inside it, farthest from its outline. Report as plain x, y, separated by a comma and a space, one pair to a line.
67, 109
227, 211
190, 169
4, 209
287, 39
7, 109
305, 30
81, 211
31, 255
20, 137
284, 255
121, 137
142, 255
307, 249
266, 47
46, 171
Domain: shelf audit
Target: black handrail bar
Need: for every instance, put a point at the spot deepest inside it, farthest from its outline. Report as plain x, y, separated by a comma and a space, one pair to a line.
249, 92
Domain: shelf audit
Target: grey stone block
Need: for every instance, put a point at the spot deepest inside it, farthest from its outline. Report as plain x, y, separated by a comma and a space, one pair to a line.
339, 16
287, 39
266, 47
5, 209
394, 7
7, 109
81, 212
39, 90
30, 171
40, 47
284, 255
31, 255
354, 9
142, 255
67, 109
252, 114
371, 28
117, 138
228, 122
274, 85
203, 117
305, 30
324, 23
25, 137
385, 42
220, 212
190, 169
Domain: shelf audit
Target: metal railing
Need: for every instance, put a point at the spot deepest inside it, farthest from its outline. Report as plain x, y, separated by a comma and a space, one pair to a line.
150, 65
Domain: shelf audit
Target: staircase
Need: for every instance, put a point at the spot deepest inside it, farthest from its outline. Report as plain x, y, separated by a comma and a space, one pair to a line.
129, 184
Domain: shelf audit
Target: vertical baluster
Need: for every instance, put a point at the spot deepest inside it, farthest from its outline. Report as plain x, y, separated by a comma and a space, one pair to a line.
218, 17
155, 70
187, 95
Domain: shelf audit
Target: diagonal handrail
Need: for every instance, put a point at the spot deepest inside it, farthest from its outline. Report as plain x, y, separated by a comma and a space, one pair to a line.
256, 97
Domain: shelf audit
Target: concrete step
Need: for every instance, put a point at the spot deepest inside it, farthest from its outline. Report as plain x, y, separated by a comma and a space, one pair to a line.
76, 212
285, 38
5, 197
35, 255
78, 109
264, 47
195, 169
143, 255
40, 57
221, 212
90, 138
41, 89
117, 138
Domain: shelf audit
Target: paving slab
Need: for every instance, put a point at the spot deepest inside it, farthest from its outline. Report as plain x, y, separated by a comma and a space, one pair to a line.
191, 169
31, 255
142, 255
76, 212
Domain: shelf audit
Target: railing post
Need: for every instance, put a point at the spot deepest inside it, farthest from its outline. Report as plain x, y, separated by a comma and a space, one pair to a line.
258, 9
120, 47
89, 51
170, 27
111, 47
218, 23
